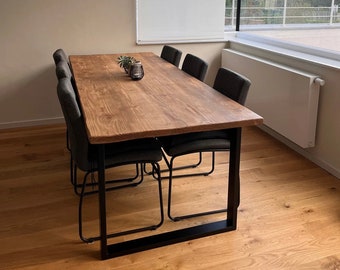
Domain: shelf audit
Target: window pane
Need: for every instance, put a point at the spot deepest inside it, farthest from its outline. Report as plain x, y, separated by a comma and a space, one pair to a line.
313, 23
273, 13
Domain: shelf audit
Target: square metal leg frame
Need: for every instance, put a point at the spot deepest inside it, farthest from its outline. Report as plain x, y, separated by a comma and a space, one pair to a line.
168, 238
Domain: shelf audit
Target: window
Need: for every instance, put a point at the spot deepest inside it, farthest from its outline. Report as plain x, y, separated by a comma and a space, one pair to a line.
311, 23
282, 13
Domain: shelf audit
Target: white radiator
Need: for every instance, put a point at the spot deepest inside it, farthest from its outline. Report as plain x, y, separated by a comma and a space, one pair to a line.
286, 98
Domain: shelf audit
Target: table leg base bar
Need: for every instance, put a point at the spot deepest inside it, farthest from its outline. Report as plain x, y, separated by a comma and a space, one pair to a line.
159, 240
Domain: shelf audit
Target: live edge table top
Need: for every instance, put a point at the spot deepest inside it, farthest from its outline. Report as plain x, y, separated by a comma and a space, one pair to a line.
166, 101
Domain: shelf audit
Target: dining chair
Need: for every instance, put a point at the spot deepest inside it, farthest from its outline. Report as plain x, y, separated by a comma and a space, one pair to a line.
230, 84
171, 54
195, 66
84, 156
63, 71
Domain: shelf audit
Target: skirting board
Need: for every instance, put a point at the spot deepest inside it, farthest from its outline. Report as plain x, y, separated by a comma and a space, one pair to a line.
31, 123
301, 151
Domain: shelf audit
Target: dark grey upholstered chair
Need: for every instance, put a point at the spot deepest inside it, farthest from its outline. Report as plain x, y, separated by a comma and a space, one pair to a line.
63, 71
84, 154
60, 55
195, 66
234, 86
171, 54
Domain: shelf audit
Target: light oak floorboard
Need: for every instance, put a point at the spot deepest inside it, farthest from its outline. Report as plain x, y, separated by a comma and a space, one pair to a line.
289, 216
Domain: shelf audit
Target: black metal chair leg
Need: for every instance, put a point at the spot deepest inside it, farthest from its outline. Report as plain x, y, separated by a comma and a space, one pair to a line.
71, 171
178, 218
156, 168
190, 174
195, 165
79, 186
80, 214
67, 141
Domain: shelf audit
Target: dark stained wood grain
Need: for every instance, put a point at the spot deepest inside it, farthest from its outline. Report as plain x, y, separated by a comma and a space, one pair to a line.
166, 101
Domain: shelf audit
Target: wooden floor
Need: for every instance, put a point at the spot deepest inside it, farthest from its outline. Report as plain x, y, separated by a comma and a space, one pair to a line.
289, 217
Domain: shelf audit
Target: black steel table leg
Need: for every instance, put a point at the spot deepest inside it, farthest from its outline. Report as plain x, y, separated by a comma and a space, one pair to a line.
234, 177
102, 202
158, 240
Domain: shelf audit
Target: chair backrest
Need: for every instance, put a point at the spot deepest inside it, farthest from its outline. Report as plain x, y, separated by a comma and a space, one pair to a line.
60, 55
195, 66
171, 54
80, 148
232, 84
62, 70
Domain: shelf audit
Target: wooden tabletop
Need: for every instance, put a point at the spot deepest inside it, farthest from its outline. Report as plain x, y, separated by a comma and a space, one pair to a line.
166, 101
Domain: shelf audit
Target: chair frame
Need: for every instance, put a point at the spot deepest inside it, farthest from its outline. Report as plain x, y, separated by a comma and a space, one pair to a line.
68, 101
240, 97
171, 177
63, 70
79, 186
92, 239
198, 71
191, 166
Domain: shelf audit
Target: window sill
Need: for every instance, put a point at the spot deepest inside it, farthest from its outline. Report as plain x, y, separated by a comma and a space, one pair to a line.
288, 49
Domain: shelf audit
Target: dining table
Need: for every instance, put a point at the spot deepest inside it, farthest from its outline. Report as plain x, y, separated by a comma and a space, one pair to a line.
166, 101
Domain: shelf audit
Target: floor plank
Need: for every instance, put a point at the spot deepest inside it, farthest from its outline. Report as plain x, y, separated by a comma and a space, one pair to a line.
289, 216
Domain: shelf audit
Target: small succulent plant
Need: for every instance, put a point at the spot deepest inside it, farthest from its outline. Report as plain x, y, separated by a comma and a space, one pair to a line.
125, 62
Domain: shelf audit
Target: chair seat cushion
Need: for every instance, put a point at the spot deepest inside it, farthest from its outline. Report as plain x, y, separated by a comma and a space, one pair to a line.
128, 152
195, 142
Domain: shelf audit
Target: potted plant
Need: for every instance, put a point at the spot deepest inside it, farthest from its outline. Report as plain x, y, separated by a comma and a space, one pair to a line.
125, 62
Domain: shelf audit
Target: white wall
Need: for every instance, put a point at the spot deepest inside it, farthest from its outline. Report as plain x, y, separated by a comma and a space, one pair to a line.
31, 30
